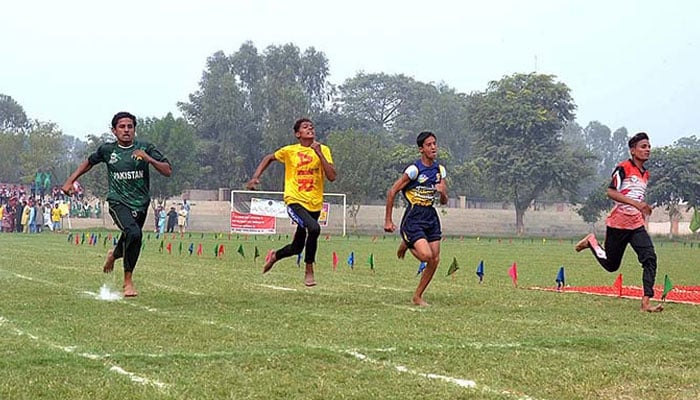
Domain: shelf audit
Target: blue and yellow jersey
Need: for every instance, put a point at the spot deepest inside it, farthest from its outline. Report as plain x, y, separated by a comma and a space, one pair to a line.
421, 189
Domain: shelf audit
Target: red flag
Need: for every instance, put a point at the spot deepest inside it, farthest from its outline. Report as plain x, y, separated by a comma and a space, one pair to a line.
513, 272
199, 250
169, 247
618, 285
335, 261
77, 239
221, 250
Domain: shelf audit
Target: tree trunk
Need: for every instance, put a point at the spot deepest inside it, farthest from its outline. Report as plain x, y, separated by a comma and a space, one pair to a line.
519, 225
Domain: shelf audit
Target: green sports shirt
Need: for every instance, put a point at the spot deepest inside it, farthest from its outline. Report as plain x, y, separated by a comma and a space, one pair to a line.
128, 178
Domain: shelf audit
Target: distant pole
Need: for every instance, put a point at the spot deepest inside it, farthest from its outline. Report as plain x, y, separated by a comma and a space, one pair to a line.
535, 62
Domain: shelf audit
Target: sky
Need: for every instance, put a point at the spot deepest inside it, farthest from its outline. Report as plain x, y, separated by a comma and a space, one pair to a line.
628, 63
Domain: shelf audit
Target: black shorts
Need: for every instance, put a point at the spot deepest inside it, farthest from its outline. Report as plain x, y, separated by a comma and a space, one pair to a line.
420, 222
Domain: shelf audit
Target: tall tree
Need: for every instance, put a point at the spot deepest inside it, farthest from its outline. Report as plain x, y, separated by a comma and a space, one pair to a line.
518, 122
175, 139
247, 103
12, 116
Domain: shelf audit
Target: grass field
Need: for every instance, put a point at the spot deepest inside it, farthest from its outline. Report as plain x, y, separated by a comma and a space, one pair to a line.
209, 328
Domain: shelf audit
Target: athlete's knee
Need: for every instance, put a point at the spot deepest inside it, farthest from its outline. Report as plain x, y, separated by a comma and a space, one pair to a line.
314, 229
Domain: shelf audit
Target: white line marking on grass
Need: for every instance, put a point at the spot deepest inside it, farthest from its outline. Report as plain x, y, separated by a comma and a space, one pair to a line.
175, 289
383, 288
465, 383
278, 288
406, 308
72, 350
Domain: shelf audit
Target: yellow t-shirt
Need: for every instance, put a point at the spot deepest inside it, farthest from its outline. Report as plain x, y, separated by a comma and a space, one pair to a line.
303, 175
55, 215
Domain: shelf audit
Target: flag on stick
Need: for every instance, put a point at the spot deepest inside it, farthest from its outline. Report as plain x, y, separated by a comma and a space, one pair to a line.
351, 260
256, 254
371, 261
179, 248
199, 249
480, 271
513, 272
421, 267
335, 261
169, 247
298, 260
618, 285
560, 278
77, 240
668, 286
453, 267
695, 222
221, 250
191, 248
240, 250
160, 248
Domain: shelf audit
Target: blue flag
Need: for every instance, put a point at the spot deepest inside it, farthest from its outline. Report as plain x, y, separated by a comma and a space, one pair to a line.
191, 248
421, 267
351, 260
560, 278
298, 259
480, 271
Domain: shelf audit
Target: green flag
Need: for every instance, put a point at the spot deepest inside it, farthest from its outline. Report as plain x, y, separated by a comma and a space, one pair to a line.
257, 253
216, 250
179, 248
240, 250
370, 260
695, 222
668, 286
160, 248
453, 267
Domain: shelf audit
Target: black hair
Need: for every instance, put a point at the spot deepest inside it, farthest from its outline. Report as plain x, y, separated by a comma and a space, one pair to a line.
638, 137
298, 123
123, 114
422, 136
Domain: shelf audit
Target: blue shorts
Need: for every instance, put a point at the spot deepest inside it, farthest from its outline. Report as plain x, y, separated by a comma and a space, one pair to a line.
420, 222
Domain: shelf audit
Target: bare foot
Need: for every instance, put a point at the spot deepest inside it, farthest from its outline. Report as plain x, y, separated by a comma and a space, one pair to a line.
420, 302
268, 265
646, 306
401, 251
583, 243
109, 262
309, 280
129, 291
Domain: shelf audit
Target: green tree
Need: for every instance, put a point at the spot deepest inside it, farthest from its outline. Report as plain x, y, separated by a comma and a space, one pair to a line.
11, 146
246, 106
361, 162
518, 123
175, 139
95, 182
12, 116
674, 182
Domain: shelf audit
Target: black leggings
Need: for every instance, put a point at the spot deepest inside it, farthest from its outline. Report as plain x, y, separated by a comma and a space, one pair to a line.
131, 223
307, 221
616, 241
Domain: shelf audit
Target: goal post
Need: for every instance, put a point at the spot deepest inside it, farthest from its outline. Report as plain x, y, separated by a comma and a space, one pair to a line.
270, 203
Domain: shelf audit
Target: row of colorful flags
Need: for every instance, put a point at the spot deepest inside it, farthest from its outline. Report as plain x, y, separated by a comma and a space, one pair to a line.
219, 251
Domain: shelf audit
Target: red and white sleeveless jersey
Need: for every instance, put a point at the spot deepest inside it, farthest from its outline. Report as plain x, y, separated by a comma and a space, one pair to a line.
631, 181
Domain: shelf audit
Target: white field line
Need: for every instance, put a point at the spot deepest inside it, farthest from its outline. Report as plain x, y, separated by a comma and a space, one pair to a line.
273, 287
175, 289
406, 308
465, 383
72, 350
383, 288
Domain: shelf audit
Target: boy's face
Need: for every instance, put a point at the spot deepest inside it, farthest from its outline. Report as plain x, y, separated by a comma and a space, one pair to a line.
641, 150
306, 131
429, 148
124, 131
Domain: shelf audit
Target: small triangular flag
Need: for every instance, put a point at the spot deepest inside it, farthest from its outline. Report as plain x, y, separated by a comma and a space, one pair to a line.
618, 285
335, 261
561, 280
221, 250
199, 249
169, 247
191, 248
256, 254
421, 267
240, 250
371, 261
668, 286
453, 267
480, 271
513, 272
351, 260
